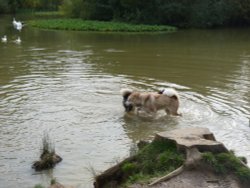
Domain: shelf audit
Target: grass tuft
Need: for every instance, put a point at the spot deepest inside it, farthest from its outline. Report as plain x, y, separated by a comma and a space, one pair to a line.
38, 186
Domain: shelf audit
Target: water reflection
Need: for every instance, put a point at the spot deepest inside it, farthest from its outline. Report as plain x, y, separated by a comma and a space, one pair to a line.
68, 83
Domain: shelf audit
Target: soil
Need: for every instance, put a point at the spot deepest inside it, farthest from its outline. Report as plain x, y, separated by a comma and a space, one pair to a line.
197, 179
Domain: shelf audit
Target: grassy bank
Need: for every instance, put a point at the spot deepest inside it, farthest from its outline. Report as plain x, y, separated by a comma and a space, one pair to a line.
160, 158
84, 25
153, 160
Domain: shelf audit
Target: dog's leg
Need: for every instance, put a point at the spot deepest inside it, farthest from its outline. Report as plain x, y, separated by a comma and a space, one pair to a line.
173, 111
149, 104
167, 111
137, 110
173, 107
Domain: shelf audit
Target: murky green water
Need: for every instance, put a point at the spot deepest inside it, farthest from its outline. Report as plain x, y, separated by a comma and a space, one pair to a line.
67, 83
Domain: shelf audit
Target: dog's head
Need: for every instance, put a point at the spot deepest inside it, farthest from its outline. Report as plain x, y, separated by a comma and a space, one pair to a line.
127, 105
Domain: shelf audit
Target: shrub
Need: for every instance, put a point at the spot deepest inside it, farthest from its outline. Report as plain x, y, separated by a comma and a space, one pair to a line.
3, 6
188, 13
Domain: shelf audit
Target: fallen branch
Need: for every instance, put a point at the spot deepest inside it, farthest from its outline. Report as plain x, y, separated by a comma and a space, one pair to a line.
193, 157
168, 176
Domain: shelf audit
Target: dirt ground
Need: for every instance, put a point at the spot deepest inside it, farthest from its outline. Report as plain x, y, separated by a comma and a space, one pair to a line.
197, 179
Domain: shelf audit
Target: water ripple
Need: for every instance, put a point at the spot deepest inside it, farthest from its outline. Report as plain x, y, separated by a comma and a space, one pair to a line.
71, 91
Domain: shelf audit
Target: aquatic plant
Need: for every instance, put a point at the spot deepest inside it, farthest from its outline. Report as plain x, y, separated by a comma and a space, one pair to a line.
86, 25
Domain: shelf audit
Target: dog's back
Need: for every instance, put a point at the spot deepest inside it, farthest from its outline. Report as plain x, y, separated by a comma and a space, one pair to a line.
170, 92
168, 99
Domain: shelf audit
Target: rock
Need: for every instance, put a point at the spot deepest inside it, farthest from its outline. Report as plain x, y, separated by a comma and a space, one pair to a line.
47, 161
112, 176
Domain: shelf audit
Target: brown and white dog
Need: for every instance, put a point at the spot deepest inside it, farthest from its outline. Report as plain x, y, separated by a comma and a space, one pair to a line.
167, 99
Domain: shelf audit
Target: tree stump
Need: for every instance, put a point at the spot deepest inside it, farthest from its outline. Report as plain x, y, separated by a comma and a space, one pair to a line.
192, 141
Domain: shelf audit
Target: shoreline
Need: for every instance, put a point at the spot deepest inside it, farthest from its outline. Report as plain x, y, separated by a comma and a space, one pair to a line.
207, 163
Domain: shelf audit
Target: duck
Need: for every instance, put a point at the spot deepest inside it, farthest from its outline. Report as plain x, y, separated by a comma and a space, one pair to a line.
4, 39
18, 40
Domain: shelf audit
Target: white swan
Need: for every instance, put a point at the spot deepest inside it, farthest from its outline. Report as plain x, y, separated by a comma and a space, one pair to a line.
17, 24
4, 39
14, 22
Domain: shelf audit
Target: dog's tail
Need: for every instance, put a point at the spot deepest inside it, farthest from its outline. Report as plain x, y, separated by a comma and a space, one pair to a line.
170, 92
126, 92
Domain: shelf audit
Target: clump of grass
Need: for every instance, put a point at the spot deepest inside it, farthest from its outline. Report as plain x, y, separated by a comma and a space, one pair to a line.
38, 186
48, 158
129, 168
224, 163
87, 25
53, 181
153, 160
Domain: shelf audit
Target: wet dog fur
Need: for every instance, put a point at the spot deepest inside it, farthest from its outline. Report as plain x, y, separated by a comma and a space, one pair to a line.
151, 102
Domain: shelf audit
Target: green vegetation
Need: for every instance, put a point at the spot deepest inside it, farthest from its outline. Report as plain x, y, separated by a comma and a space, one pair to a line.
181, 13
225, 163
81, 25
13, 6
48, 14
52, 182
153, 160
38, 186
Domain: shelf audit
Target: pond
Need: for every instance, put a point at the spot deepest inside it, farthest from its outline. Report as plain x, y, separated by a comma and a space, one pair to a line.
67, 83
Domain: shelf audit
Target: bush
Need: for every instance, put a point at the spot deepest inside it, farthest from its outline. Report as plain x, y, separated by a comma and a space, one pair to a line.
3, 6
